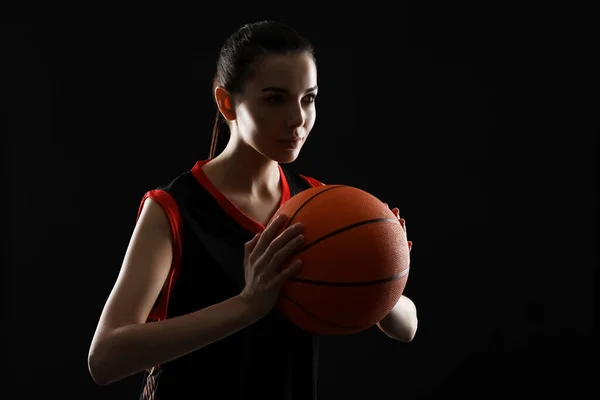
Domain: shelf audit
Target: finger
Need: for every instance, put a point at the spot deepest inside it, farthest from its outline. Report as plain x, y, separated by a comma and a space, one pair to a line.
250, 246
294, 269
396, 212
286, 251
284, 237
409, 246
270, 232
265, 258
252, 243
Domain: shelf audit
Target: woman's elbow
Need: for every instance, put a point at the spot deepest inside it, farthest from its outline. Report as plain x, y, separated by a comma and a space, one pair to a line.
97, 366
408, 333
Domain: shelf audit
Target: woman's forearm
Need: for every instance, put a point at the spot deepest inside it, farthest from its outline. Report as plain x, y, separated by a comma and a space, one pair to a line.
135, 348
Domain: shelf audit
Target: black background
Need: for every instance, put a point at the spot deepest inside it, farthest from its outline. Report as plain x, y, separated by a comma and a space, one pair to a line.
473, 121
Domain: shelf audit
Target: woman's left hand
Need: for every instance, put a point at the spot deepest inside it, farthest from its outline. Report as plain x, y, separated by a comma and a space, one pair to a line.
396, 212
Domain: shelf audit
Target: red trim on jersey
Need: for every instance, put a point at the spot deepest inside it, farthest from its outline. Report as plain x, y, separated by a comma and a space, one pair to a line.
230, 208
312, 181
169, 206
165, 200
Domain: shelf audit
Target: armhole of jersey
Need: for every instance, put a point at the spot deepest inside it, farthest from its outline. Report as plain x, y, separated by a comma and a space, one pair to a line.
165, 200
311, 181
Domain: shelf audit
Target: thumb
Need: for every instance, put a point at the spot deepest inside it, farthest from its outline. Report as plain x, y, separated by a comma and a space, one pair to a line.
250, 246
294, 269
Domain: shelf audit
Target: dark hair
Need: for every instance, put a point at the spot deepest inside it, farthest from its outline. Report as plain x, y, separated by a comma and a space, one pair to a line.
239, 53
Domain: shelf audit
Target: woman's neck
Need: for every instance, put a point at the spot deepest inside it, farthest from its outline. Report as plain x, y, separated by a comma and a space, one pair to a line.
245, 173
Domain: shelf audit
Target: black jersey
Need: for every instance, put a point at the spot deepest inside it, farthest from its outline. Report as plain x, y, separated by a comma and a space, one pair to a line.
270, 359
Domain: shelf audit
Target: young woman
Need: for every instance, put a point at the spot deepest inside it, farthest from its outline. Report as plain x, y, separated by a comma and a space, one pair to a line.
193, 305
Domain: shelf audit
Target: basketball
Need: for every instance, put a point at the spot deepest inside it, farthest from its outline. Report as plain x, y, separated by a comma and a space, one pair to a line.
355, 261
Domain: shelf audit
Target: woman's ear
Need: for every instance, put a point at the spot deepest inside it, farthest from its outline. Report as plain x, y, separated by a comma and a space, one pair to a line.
225, 103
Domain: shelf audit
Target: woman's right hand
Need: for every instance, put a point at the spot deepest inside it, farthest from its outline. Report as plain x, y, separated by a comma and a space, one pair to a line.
264, 257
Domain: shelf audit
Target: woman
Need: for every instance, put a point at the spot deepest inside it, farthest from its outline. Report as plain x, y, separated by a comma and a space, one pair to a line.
193, 306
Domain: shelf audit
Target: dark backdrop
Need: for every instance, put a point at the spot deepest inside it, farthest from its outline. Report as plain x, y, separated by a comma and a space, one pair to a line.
472, 121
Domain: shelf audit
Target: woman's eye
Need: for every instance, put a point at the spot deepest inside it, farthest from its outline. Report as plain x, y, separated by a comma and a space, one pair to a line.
275, 99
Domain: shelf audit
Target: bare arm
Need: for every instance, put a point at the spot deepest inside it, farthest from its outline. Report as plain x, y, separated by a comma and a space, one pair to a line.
401, 323
122, 339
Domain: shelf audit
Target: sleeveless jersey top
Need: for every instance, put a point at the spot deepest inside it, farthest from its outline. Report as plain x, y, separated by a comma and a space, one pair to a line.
270, 359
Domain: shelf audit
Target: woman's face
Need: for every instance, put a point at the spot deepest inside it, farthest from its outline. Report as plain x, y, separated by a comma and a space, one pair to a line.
276, 110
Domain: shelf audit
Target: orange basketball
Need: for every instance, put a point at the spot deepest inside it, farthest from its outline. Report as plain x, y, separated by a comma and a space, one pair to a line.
355, 261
